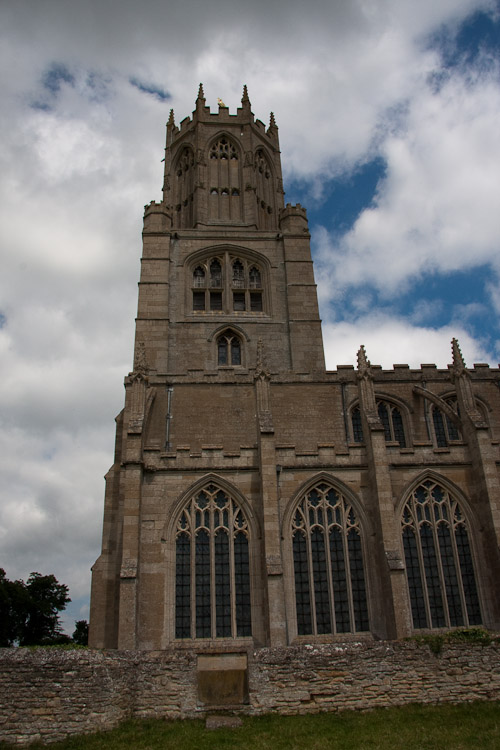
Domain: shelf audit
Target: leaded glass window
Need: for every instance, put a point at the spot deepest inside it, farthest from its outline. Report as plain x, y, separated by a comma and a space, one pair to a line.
228, 349
229, 284
445, 430
330, 590
212, 565
392, 422
439, 564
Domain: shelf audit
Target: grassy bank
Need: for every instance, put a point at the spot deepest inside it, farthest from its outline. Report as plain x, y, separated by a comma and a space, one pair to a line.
474, 725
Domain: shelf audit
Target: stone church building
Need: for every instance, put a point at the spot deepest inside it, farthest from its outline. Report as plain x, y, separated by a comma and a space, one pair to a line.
257, 499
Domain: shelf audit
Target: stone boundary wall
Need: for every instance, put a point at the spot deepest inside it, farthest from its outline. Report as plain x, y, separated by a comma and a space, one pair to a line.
50, 693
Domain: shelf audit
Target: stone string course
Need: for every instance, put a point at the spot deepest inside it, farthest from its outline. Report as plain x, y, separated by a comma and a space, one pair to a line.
48, 694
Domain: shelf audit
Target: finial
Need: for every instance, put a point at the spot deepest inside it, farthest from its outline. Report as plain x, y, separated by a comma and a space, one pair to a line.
272, 121
458, 360
363, 362
220, 102
171, 120
245, 98
201, 95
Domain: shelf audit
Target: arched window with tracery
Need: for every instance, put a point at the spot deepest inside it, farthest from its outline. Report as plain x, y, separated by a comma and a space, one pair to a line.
227, 284
224, 197
392, 422
439, 562
445, 430
212, 568
329, 575
228, 349
184, 189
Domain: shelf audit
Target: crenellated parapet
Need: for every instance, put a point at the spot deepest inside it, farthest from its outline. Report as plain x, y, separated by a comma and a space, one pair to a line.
293, 219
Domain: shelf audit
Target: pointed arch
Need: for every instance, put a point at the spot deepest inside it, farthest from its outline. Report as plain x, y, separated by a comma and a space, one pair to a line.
225, 201
228, 279
437, 541
265, 192
394, 415
183, 188
210, 533
325, 529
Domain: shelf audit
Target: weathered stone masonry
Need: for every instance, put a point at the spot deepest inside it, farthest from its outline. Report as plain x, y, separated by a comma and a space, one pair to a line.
48, 694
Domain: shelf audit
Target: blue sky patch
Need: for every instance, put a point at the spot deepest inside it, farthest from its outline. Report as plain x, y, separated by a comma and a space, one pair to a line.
150, 88
344, 198
52, 80
478, 36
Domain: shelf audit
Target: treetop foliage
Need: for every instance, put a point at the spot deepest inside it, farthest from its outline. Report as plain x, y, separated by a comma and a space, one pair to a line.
29, 612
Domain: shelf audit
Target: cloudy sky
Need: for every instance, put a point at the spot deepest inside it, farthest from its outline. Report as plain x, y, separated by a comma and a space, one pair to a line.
389, 118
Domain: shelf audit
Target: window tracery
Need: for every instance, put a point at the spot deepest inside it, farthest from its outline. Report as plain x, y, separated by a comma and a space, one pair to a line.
330, 591
227, 283
184, 188
224, 181
264, 189
439, 565
392, 422
212, 584
228, 349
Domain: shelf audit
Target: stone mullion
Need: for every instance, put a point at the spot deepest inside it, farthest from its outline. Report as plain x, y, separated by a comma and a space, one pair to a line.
458, 568
232, 574
329, 572
347, 563
423, 574
439, 560
310, 570
213, 602
192, 593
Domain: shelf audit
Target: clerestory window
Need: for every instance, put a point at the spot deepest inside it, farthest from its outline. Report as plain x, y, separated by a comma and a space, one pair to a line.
445, 430
392, 421
439, 565
330, 591
227, 284
212, 579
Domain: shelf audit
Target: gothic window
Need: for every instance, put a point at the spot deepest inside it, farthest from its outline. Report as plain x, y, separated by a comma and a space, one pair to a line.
264, 190
439, 565
357, 427
225, 203
199, 277
229, 284
330, 591
390, 416
184, 188
392, 422
445, 431
212, 568
228, 349
215, 274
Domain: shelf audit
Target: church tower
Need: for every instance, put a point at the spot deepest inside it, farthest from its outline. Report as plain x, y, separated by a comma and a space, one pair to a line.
227, 299
256, 499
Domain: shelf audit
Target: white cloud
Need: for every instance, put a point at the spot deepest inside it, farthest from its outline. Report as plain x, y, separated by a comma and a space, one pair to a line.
436, 209
389, 340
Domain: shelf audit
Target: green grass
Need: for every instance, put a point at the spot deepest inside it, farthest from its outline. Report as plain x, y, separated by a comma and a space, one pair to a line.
473, 725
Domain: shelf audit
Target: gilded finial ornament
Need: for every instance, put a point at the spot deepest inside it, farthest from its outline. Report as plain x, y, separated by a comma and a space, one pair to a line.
220, 102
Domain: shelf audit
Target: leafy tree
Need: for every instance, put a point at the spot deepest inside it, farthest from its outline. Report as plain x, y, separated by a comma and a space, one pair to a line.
81, 632
29, 612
